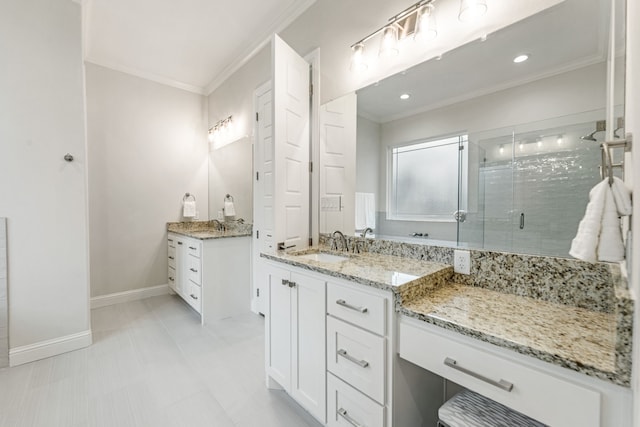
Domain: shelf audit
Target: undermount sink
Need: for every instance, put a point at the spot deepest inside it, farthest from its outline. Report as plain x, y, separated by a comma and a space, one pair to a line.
323, 257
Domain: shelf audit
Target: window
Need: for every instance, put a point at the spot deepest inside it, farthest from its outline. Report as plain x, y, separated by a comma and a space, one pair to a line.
425, 179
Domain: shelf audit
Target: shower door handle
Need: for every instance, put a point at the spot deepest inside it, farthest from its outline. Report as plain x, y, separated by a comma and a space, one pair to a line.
521, 220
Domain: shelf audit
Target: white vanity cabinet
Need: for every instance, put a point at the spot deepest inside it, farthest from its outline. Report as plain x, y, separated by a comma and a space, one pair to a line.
358, 355
295, 337
212, 275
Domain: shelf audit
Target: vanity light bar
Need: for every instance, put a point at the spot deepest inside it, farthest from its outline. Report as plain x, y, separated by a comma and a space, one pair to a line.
220, 125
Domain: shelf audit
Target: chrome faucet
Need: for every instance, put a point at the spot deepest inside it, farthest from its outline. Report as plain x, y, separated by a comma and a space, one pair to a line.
364, 233
343, 240
219, 225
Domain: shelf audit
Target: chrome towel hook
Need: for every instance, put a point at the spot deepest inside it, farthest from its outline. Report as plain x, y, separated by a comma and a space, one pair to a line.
68, 157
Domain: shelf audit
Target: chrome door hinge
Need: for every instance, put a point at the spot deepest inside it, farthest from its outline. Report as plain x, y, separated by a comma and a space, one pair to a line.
310, 241
257, 176
256, 116
257, 234
310, 167
310, 89
258, 292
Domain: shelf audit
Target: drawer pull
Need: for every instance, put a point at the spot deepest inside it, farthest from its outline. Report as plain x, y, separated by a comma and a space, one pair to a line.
343, 413
292, 284
361, 363
193, 296
285, 282
352, 307
505, 385
170, 257
192, 248
179, 243
194, 270
171, 240
171, 278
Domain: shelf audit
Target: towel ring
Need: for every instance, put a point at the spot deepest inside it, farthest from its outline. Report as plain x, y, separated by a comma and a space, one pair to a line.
188, 196
228, 197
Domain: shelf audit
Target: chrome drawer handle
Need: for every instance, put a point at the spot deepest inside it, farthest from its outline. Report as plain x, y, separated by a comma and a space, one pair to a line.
171, 278
343, 413
194, 270
352, 307
361, 363
171, 240
179, 243
170, 257
505, 385
193, 296
285, 282
192, 248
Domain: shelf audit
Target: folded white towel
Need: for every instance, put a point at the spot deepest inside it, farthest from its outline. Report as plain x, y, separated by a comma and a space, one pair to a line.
365, 207
610, 245
585, 244
229, 208
189, 209
622, 196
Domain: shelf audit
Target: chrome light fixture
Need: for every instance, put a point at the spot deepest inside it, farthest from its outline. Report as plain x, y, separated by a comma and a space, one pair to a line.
426, 27
472, 9
220, 127
358, 62
389, 42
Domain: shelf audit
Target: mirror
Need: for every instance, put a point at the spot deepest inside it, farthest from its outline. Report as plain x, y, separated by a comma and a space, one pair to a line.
512, 148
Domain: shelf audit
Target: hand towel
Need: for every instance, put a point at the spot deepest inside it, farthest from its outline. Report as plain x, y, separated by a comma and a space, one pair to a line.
584, 245
229, 208
610, 245
189, 209
365, 211
622, 196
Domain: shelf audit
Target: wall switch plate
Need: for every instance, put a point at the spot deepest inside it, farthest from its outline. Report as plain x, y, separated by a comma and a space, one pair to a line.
461, 262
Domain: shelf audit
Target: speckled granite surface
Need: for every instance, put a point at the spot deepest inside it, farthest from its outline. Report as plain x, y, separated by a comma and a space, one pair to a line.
561, 311
205, 230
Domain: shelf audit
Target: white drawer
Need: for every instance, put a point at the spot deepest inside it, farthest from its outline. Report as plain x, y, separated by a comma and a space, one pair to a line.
360, 308
172, 256
171, 278
357, 357
347, 407
194, 247
194, 296
538, 394
194, 267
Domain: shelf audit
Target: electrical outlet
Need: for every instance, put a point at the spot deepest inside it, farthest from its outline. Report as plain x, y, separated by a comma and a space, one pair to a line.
462, 262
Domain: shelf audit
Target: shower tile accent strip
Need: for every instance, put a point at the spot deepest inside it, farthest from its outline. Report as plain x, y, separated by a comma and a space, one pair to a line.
4, 320
587, 307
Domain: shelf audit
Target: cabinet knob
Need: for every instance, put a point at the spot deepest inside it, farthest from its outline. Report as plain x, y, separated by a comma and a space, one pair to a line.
193, 296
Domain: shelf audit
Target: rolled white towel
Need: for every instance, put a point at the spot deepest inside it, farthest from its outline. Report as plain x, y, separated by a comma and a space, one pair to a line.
610, 244
622, 196
584, 246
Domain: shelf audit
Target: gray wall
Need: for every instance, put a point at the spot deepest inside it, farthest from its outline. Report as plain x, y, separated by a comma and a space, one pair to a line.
147, 147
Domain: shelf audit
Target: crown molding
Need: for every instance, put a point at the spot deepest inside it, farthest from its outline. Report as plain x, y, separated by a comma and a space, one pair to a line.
287, 17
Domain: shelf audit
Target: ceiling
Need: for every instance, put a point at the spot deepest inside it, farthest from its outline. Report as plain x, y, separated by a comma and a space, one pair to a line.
190, 44
567, 36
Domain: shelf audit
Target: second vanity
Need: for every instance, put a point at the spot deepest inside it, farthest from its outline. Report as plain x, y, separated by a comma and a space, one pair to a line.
207, 267
376, 333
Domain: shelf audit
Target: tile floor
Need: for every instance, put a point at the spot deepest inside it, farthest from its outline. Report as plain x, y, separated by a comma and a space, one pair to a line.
152, 365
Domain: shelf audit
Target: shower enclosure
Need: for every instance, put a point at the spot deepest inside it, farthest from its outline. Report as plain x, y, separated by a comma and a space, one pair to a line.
528, 185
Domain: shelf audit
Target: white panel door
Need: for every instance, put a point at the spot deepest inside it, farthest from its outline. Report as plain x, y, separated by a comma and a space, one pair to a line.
308, 343
263, 193
337, 164
291, 145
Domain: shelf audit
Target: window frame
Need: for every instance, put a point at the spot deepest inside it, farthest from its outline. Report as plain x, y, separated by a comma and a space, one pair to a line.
462, 178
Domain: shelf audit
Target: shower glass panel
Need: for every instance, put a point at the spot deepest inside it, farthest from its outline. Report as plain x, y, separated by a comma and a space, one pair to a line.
532, 184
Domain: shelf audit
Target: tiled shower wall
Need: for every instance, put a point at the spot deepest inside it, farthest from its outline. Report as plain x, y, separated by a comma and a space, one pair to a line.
4, 324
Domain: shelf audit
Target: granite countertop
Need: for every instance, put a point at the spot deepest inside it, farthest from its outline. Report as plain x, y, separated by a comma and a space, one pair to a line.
205, 230
572, 337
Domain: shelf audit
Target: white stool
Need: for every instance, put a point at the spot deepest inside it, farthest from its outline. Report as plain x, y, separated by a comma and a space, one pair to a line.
469, 409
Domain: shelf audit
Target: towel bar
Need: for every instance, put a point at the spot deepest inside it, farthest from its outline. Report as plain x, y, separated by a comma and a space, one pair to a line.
606, 170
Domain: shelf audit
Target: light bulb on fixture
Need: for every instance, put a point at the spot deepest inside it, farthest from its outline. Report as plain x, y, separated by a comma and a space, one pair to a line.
472, 9
539, 143
211, 135
426, 27
520, 58
559, 140
521, 145
358, 64
405, 96
389, 42
501, 149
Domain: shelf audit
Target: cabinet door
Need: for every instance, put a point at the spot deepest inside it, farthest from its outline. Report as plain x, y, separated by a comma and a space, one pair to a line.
181, 282
279, 328
308, 344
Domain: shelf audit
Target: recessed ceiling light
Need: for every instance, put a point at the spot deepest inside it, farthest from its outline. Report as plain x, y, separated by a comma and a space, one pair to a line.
405, 96
520, 58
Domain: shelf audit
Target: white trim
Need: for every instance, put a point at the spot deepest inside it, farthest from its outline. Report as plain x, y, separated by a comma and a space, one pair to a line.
48, 348
126, 296
290, 15
147, 76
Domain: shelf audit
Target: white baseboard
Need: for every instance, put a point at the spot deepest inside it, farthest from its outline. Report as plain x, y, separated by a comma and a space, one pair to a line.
136, 294
43, 349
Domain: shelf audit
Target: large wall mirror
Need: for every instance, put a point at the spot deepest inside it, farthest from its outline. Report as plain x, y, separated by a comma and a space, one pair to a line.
487, 152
